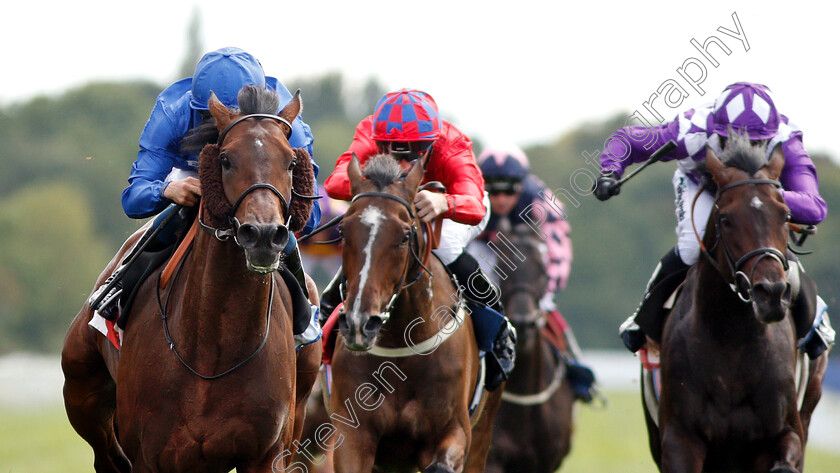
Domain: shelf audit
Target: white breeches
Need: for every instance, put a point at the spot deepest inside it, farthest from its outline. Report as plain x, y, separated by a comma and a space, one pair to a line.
685, 190
454, 236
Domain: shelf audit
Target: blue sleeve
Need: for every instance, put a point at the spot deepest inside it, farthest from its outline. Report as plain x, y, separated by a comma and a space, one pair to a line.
157, 156
315, 216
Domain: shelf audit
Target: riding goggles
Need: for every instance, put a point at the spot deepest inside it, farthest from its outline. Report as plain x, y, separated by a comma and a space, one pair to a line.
405, 150
503, 187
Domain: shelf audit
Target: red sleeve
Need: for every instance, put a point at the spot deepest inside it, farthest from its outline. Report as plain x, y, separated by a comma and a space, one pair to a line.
453, 163
337, 184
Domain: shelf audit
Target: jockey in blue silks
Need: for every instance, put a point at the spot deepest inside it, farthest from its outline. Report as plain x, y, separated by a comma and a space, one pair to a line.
164, 174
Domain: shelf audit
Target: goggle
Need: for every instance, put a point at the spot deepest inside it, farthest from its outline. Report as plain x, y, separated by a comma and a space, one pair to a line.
405, 150
503, 187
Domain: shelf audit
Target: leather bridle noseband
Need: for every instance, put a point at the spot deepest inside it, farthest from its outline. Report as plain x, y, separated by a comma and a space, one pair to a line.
223, 234
742, 282
412, 244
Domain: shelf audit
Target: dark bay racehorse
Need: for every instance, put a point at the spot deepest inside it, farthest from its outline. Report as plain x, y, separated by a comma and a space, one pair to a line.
400, 403
211, 385
728, 354
533, 429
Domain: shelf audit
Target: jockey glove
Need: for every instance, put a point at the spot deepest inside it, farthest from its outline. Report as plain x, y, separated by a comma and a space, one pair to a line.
607, 186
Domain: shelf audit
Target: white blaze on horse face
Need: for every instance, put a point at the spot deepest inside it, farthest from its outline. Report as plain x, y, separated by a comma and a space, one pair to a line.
756, 203
372, 217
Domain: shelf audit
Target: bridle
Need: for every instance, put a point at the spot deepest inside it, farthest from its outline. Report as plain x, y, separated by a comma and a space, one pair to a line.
413, 242
742, 282
223, 234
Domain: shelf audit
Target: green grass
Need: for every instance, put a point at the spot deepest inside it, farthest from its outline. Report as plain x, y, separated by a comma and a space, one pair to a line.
605, 441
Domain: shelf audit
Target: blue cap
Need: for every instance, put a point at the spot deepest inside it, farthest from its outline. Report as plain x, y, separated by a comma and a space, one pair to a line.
224, 71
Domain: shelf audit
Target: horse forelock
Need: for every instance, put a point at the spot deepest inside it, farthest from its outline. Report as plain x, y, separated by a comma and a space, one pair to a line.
255, 99
382, 170
740, 153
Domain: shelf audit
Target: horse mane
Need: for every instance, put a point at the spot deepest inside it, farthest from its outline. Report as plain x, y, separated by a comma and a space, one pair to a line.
740, 153
251, 99
382, 170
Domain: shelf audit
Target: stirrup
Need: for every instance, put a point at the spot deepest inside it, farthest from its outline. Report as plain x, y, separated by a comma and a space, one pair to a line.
108, 306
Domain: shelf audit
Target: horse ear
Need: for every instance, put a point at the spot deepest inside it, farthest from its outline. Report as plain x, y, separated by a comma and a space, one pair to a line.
776, 163
222, 114
714, 165
415, 175
354, 173
292, 109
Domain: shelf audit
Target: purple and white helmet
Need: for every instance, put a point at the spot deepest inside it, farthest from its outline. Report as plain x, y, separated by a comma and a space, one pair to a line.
746, 108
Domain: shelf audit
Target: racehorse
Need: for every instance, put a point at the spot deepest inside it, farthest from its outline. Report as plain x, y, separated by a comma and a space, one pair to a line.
406, 366
205, 378
728, 353
533, 429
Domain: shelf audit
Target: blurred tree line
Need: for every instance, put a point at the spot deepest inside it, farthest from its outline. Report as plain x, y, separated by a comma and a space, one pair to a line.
66, 159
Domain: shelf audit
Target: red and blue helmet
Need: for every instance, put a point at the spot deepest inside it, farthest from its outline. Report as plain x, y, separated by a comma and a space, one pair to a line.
746, 108
406, 115
504, 164
224, 71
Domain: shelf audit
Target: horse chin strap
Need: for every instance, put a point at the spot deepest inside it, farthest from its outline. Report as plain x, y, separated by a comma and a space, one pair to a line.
742, 282
412, 243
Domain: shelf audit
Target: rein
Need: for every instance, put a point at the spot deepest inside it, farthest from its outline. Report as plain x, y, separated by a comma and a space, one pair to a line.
224, 234
742, 281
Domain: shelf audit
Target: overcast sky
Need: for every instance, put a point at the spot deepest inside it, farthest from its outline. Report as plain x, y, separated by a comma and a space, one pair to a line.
519, 72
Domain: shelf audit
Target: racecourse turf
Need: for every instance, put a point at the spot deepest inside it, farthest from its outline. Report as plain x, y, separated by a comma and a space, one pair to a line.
605, 441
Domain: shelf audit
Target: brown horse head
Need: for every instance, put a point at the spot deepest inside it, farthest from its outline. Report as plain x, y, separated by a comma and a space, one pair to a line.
380, 230
748, 225
523, 287
247, 176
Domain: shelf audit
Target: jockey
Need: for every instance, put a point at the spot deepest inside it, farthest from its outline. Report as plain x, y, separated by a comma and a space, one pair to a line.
744, 107
513, 190
406, 124
164, 173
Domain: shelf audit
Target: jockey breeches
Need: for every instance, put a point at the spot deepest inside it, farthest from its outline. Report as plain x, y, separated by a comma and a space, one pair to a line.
685, 191
454, 236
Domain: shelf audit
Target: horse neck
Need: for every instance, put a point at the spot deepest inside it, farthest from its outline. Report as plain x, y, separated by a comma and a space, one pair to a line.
717, 305
530, 360
222, 304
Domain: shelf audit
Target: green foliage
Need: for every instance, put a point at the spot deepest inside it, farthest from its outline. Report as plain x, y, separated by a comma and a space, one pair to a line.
67, 158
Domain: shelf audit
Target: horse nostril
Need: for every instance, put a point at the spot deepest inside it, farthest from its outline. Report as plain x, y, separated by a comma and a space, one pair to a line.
372, 326
343, 325
281, 237
247, 235
773, 291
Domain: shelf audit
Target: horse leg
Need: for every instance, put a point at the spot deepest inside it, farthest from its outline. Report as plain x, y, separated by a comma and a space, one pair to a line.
308, 361
790, 452
356, 451
813, 392
681, 451
449, 455
482, 433
90, 398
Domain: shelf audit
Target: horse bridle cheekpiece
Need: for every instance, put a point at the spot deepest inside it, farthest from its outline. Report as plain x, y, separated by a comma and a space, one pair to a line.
223, 234
412, 243
742, 285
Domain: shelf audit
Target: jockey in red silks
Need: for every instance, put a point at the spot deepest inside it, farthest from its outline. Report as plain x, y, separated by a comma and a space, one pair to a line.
745, 108
513, 191
406, 124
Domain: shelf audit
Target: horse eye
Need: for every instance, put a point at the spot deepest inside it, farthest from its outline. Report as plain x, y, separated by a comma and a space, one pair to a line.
787, 217
225, 162
292, 164
405, 239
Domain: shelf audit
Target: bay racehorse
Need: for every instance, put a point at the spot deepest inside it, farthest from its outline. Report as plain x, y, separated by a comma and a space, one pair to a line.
533, 428
206, 376
728, 355
406, 367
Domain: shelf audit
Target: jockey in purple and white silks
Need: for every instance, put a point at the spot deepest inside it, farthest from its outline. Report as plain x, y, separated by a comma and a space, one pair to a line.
745, 108
514, 192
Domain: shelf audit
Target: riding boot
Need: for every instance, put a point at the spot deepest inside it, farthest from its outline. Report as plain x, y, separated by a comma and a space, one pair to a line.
494, 333
666, 278
305, 315
581, 377
332, 296
168, 235
821, 336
